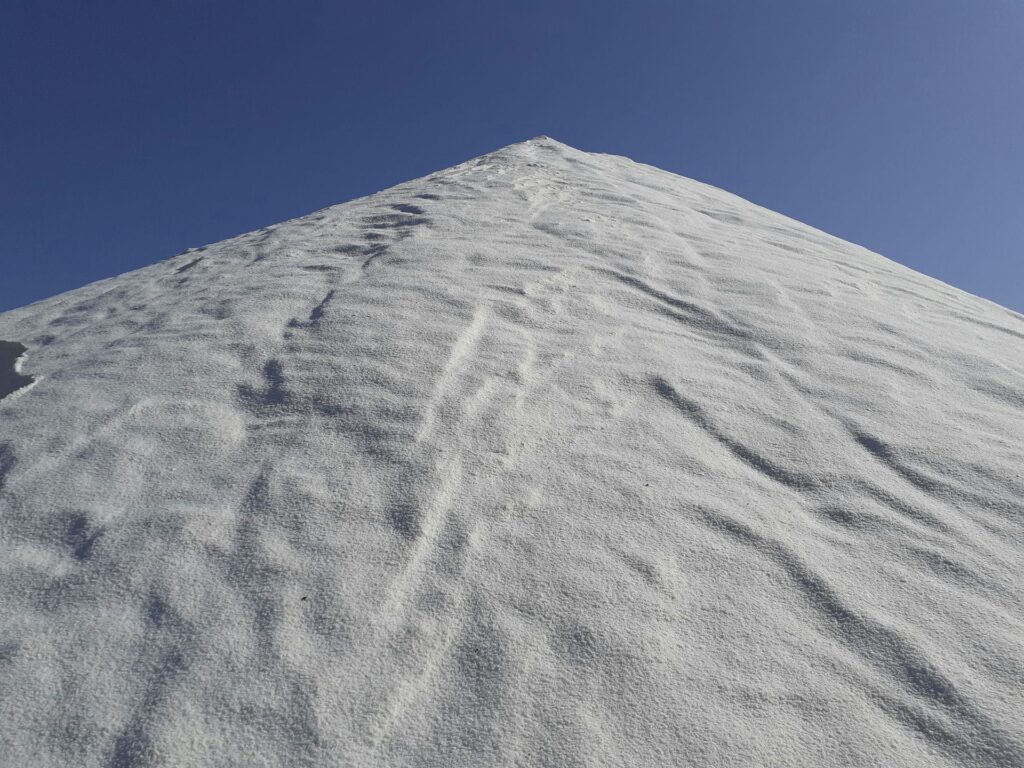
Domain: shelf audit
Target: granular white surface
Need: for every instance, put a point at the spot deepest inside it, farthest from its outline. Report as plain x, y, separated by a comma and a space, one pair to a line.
548, 459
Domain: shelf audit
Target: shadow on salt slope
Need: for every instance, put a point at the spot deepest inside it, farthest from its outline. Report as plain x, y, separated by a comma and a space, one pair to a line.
7, 462
187, 267
168, 646
315, 315
274, 392
81, 537
11, 379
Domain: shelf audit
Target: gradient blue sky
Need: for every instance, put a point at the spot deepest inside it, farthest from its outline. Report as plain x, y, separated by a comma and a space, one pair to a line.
130, 131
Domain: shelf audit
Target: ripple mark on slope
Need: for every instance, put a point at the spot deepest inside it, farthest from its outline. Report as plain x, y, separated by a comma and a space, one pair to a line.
689, 314
970, 735
747, 455
165, 650
885, 454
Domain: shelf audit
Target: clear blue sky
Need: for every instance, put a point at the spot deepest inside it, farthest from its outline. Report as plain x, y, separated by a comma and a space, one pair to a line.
130, 131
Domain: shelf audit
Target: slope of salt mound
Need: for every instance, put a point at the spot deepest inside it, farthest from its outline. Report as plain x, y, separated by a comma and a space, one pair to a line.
547, 459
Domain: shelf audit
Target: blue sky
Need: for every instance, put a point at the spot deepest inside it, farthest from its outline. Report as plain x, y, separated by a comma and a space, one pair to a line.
130, 131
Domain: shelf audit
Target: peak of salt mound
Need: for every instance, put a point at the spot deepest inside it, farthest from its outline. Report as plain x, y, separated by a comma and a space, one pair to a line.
549, 458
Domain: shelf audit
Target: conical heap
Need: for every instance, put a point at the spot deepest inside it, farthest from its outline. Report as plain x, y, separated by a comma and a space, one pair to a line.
549, 458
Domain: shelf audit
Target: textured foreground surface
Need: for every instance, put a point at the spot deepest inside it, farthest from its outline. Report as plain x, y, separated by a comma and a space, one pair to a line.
549, 459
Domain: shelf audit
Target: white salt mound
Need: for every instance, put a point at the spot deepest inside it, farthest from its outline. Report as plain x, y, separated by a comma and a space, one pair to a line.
548, 459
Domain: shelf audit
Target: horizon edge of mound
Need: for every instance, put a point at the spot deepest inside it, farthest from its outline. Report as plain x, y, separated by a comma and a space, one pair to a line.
12, 380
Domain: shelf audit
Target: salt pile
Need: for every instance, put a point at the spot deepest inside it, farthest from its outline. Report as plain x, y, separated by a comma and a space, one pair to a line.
547, 459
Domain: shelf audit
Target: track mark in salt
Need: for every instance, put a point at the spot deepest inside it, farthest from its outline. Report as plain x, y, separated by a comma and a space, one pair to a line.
11, 377
461, 349
747, 455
